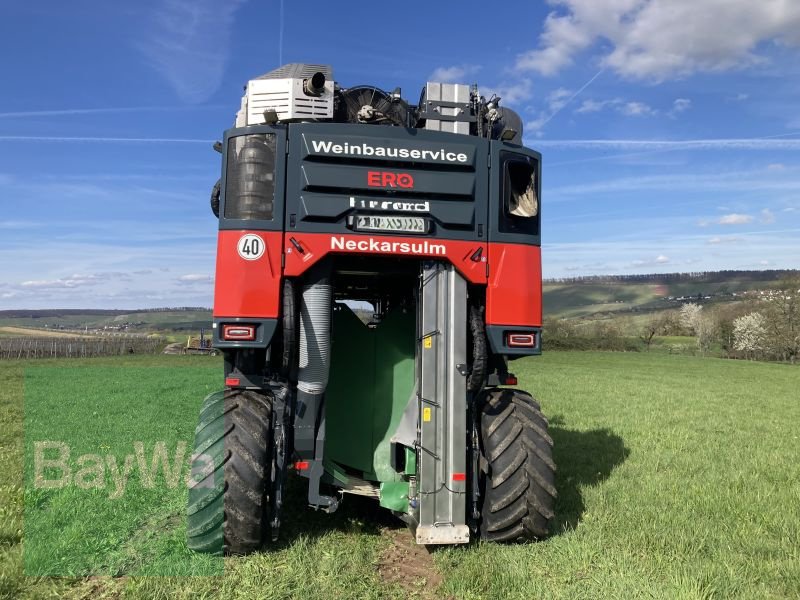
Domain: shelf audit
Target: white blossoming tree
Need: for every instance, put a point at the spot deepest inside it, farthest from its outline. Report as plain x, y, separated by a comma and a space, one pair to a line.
750, 333
691, 314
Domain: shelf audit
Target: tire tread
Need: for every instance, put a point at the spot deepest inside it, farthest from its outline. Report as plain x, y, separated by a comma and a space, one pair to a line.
518, 489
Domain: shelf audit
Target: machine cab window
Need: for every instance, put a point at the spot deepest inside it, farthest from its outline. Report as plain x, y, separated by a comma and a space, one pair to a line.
519, 211
250, 177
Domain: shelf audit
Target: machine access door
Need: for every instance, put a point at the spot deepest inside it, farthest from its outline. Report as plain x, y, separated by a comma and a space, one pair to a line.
514, 293
250, 240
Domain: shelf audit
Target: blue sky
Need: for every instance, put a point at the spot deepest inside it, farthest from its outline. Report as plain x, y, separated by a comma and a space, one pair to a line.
670, 128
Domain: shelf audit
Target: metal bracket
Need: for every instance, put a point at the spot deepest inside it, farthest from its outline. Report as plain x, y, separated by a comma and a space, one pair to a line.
281, 444
316, 500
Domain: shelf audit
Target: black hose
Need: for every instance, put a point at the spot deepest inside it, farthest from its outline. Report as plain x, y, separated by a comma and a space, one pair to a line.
480, 355
291, 318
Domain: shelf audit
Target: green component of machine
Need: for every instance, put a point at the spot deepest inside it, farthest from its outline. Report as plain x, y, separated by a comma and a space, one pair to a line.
394, 495
334, 474
371, 381
411, 462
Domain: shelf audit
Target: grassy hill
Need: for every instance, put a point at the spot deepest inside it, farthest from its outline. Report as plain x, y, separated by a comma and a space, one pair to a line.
591, 296
131, 321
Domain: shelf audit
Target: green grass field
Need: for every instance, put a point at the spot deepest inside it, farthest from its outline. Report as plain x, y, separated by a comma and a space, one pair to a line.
678, 478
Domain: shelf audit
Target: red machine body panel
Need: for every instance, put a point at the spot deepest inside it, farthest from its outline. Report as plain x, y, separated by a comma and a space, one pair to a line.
305, 249
251, 288
248, 287
514, 292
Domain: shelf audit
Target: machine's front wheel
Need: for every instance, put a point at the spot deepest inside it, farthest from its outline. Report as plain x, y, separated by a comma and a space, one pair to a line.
518, 474
228, 488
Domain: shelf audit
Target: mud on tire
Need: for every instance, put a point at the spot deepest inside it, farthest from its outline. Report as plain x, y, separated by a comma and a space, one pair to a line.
230, 470
517, 481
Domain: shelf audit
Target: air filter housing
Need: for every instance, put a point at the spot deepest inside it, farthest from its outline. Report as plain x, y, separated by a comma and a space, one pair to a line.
446, 107
294, 92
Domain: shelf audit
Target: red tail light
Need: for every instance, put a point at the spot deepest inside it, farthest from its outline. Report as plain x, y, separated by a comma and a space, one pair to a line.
245, 333
521, 340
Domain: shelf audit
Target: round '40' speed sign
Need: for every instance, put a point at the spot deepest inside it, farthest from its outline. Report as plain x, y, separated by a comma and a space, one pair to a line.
250, 246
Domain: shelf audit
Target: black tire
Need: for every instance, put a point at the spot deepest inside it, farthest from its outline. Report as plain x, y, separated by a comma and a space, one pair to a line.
517, 481
228, 500
215, 192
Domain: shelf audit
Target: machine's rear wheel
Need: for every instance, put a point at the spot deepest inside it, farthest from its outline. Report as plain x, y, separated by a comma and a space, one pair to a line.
518, 473
228, 491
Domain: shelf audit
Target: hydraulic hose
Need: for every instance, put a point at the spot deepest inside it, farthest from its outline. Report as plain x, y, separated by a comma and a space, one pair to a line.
315, 333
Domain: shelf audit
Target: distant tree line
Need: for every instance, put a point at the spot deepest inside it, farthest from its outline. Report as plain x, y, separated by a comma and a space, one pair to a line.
765, 327
693, 277
97, 312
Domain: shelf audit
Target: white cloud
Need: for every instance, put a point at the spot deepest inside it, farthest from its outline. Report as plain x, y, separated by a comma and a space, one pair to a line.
699, 144
679, 105
189, 44
767, 216
662, 39
728, 239
563, 37
195, 278
454, 74
637, 109
558, 98
20, 225
590, 106
735, 219
555, 100
73, 281
95, 111
511, 93
631, 108
115, 140
661, 259
756, 181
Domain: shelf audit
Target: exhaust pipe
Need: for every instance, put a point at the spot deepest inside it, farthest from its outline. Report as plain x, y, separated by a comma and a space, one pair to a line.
314, 85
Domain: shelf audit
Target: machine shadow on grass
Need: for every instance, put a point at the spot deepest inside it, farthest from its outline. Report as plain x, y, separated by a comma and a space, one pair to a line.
584, 458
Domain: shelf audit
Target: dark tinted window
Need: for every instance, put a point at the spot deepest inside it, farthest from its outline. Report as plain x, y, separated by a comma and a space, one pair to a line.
519, 210
250, 177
